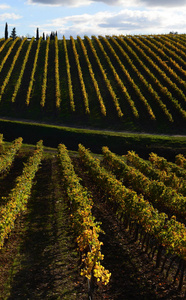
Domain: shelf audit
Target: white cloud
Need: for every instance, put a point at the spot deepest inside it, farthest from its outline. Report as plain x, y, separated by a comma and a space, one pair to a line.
74, 3
163, 3
125, 22
4, 6
124, 3
9, 16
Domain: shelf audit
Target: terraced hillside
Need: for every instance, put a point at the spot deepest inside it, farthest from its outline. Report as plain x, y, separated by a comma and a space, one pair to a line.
55, 205
120, 82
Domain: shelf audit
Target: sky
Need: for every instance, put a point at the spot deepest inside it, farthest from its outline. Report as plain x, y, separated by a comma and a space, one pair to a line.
92, 17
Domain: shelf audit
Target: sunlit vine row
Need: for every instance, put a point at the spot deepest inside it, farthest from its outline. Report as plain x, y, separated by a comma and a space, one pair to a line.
17, 200
161, 88
106, 80
7, 158
116, 76
4, 44
170, 233
8, 53
94, 81
84, 223
135, 88
7, 78
45, 72
80, 74
164, 76
146, 84
18, 83
180, 160
70, 88
58, 91
33, 72
160, 48
175, 49
155, 191
164, 165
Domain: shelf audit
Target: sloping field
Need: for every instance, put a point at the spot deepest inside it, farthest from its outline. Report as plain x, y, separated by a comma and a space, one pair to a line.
55, 205
134, 83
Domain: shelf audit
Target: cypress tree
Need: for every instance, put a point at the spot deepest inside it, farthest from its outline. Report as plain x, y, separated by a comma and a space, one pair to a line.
37, 34
6, 31
43, 36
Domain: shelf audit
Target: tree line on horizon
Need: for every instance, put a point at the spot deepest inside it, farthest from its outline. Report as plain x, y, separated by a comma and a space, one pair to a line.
13, 34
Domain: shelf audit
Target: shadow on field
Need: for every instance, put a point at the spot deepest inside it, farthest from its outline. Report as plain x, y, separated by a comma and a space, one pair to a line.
43, 270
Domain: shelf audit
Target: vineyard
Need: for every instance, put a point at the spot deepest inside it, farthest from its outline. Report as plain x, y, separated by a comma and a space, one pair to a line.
75, 225
121, 82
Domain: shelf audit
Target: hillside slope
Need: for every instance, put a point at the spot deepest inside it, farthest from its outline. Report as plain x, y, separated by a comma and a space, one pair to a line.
134, 83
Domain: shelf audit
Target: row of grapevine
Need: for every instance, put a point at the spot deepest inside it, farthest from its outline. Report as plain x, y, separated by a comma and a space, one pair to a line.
116, 76
7, 78
181, 161
7, 158
45, 72
130, 63
18, 197
80, 74
70, 88
171, 57
84, 223
162, 164
170, 178
161, 88
169, 233
58, 91
171, 51
142, 79
8, 53
31, 82
161, 73
151, 170
154, 190
94, 81
163, 65
18, 83
4, 44
106, 80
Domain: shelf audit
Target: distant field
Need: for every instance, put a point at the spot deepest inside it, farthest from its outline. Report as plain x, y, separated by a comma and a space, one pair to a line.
134, 83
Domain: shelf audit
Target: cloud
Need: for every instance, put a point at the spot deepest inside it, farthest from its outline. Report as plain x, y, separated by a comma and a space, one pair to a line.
124, 22
4, 6
124, 3
74, 3
163, 3
9, 16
